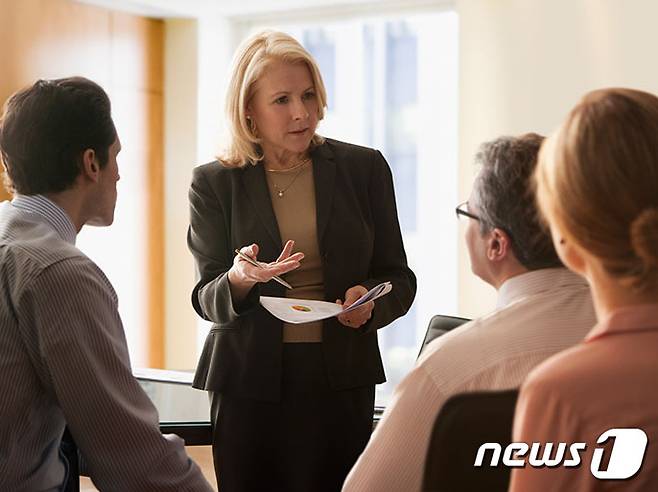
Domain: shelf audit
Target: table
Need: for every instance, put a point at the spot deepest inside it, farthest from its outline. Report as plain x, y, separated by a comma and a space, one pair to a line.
183, 410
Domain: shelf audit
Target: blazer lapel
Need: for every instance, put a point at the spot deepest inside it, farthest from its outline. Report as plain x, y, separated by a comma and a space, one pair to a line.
255, 185
324, 175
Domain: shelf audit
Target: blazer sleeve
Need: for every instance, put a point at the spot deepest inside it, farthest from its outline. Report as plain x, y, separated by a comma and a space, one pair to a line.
208, 238
389, 260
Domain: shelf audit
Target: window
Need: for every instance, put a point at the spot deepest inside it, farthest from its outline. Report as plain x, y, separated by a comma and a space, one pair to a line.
323, 49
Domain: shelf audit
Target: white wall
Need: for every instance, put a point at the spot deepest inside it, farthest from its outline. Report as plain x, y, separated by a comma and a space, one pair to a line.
180, 136
197, 59
525, 63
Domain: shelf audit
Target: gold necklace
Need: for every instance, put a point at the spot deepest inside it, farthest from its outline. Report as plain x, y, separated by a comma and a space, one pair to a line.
299, 164
281, 191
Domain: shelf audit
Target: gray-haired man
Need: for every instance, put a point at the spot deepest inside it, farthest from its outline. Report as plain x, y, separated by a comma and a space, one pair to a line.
542, 308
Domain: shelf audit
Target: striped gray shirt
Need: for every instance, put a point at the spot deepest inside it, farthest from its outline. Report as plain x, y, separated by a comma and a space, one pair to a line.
64, 360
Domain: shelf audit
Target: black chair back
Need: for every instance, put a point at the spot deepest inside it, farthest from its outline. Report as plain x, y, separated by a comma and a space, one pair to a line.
465, 422
439, 325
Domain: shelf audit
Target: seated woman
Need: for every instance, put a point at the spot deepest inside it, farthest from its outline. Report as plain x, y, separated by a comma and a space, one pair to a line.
597, 187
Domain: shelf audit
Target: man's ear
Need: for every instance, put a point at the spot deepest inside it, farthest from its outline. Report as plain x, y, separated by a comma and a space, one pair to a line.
90, 166
499, 245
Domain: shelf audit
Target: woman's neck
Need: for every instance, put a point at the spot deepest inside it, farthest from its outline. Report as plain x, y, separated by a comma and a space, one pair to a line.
283, 159
610, 293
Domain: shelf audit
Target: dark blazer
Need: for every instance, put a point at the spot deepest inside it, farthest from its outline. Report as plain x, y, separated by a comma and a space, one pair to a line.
360, 243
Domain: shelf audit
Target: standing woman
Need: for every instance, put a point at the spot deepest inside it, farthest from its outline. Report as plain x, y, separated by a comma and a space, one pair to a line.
291, 405
597, 185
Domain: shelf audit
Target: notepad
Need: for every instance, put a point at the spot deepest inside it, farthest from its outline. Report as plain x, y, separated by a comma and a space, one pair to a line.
298, 311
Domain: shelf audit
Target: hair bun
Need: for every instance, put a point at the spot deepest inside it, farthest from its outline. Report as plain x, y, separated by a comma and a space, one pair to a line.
644, 236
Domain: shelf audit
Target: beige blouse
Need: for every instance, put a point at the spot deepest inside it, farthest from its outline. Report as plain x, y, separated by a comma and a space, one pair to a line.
293, 200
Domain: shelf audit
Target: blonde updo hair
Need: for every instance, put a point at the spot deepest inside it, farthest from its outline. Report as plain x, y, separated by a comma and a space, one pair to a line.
597, 179
251, 60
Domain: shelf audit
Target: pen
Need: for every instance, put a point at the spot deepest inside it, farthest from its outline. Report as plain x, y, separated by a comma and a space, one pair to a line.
256, 264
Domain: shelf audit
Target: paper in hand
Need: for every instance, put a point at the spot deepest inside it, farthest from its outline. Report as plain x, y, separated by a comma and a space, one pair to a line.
298, 311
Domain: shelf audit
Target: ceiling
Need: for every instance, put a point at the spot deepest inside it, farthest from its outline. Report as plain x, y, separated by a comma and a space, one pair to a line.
243, 8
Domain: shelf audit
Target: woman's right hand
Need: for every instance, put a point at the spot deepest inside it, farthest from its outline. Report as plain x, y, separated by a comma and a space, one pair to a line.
242, 276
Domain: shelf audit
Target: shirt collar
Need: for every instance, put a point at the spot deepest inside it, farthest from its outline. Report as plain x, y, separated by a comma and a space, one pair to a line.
642, 317
52, 213
535, 282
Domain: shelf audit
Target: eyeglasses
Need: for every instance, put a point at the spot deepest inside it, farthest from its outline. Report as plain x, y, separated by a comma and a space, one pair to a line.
462, 209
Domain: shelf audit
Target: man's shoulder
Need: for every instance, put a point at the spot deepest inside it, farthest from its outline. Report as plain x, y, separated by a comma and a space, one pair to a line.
538, 325
451, 349
25, 232
533, 313
525, 331
31, 247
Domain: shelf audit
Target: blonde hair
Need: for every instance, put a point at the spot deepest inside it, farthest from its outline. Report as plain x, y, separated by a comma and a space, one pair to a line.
251, 60
597, 178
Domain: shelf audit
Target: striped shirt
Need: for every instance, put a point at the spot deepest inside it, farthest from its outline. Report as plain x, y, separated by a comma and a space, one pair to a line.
64, 361
539, 313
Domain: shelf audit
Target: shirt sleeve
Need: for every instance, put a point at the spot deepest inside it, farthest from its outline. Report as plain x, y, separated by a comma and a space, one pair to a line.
86, 365
394, 458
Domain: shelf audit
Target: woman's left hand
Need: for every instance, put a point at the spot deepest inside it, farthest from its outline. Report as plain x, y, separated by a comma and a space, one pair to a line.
361, 315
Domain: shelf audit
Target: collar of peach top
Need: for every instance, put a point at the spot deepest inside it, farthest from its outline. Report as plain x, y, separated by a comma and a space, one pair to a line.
628, 319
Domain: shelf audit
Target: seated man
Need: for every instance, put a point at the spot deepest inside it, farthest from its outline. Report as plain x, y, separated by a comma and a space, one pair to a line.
63, 351
542, 309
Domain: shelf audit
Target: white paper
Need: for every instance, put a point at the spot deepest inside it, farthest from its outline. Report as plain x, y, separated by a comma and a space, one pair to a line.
298, 311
